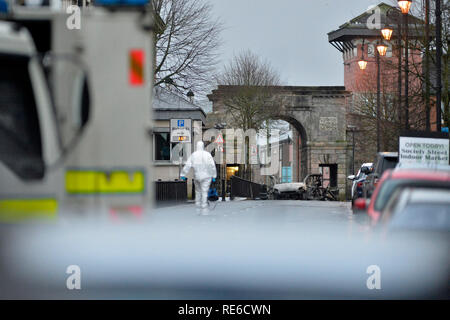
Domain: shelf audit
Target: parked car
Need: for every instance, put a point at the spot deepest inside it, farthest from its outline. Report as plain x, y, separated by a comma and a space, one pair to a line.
383, 161
293, 190
393, 180
358, 181
310, 189
418, 209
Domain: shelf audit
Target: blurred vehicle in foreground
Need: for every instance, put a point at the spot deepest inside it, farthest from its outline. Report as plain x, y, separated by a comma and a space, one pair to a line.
358, 181
394, 180
418, 209
216, 259
383, 161
68, 139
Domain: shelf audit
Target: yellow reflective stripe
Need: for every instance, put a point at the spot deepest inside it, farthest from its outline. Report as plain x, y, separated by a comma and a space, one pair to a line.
94, 182
23, 209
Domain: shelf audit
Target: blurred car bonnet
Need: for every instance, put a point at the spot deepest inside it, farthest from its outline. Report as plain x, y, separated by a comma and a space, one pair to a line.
215, 261
419, 209
393, 180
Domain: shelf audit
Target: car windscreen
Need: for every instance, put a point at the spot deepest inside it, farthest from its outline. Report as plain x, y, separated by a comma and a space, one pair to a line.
423, 216
388, 188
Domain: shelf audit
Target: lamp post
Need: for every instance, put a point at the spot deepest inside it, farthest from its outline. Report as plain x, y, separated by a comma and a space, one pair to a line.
352, 129
381, 51
405, 5
387, 32
438, 64
427, 66
190, 95
362, 62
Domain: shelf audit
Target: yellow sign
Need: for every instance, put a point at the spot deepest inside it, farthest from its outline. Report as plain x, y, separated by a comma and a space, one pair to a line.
102, 182
13, 210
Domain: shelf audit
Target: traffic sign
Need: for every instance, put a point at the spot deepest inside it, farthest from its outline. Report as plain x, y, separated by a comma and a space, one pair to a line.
219, 139
180, 130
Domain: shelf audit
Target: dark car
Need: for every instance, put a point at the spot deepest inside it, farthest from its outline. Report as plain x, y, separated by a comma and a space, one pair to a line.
358, 180
383, 162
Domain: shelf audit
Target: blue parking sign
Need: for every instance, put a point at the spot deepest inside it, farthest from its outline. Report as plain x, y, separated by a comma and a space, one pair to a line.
180, 123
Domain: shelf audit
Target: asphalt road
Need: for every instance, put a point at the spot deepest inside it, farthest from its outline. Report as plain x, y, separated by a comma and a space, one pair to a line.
280, 213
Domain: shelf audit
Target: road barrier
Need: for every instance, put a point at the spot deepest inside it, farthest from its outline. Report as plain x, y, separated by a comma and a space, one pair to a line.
248, 189
174, 191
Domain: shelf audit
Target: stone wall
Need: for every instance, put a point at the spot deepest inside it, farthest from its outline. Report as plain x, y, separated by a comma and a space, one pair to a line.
319, 114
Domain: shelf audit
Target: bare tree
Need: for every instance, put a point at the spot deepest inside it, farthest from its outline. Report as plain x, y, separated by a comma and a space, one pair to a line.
252, 103
364, 111
420, 68
186, 44
426, 47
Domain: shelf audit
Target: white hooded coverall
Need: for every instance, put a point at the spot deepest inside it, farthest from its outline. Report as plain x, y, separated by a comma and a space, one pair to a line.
204, 171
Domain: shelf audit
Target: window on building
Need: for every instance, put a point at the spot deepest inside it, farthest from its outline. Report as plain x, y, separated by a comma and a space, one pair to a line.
164, 148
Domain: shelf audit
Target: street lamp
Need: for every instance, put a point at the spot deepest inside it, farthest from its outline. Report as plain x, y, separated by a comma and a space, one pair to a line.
405, 5
190, 95
438, 64
382, 49
352, 129
362, 62
387, 32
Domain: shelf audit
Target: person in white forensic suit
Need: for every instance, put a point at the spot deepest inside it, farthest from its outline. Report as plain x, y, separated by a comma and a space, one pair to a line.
204, 172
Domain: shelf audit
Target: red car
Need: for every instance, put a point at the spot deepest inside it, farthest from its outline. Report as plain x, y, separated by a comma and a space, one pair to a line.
392, 180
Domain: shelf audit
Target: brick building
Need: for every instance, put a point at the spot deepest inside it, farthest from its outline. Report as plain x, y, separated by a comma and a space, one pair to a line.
357, 40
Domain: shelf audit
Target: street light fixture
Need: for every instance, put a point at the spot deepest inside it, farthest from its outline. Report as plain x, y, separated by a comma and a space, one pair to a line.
190, 95
387, 32
362, 62
382, 49
405, 5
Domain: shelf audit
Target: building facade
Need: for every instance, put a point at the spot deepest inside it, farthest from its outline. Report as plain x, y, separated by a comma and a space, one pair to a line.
166, 155
357, 41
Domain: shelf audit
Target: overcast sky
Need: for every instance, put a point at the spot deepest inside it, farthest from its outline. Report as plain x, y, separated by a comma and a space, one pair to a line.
290, 34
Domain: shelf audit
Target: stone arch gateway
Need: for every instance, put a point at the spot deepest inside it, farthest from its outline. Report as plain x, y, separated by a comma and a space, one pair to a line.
319, 115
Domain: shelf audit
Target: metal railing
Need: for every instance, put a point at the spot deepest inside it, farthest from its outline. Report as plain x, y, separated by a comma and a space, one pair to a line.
247, 189
173, 191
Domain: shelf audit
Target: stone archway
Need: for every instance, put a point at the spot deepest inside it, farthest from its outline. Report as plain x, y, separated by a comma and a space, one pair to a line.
300, 147
319, 114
